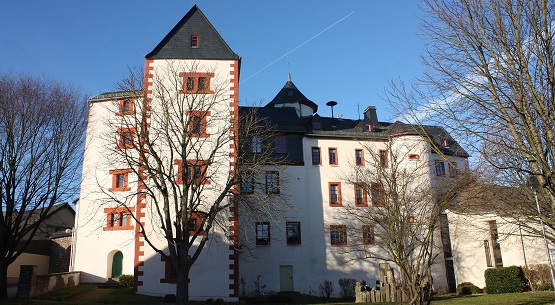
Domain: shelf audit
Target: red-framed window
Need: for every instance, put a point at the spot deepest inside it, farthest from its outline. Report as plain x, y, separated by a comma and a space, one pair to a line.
293, 231
281, 144
361, 197
119, 218
170, 274
195, 41
196, 223
198, 83
378, 194
262, 233
332, 153
120, 180
316, 156
126, 138
359, 157
198, 121
414, 157
338, 235
272, 182
368, 236
126, 106
383, 158
367, 128
195, 172
335, 194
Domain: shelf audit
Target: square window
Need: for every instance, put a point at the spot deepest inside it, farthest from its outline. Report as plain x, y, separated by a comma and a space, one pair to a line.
272, 182
256, 144
194, 172
338, 235
126, 138
197, 123
281, 145
262, 233
293, 231
368, 237
118, 219
359, 157
194, 41
378, 196
120, 180
333, 156
126, 106
440, 168
316, 157
335, 193
360, 195
247, 185
383, 158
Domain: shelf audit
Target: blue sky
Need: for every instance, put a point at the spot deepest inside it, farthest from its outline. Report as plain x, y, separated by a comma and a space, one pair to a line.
91, 44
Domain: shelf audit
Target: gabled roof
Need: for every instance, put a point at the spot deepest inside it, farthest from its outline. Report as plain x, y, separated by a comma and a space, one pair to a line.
290, 94
177, 44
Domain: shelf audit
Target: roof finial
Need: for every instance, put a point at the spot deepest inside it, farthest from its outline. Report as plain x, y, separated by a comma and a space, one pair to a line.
288, 69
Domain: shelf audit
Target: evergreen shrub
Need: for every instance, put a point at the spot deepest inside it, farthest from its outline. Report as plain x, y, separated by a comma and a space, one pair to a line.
505, 280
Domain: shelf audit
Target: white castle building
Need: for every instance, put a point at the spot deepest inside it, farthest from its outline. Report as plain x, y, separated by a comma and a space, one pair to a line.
294, 253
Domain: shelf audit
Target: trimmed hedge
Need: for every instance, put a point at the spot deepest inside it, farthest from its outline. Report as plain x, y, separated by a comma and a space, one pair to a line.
126, 280
467, 288
505, 280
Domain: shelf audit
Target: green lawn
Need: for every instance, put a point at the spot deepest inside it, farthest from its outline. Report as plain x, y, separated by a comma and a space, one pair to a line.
525, 298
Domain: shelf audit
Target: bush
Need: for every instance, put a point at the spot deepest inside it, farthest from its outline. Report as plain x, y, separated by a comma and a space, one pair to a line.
347, 288
467, 288
170, 298
326, 289
126, 280
505, 280
539, 277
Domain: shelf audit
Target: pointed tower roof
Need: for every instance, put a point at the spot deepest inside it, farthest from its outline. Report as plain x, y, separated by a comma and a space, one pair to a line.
178, 43
290, 94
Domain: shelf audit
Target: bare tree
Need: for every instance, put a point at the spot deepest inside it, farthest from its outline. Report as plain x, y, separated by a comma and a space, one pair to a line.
42, 125
400, 223
491, 79
184, 149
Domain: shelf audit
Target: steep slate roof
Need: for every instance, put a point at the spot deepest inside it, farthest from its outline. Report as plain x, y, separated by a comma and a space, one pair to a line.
290, 94
177, 44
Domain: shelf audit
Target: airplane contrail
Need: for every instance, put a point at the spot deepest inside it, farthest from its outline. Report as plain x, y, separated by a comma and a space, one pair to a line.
297, 47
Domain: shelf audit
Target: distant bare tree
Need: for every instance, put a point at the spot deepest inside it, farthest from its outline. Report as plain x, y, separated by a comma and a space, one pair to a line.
42, 126
400, 221
491, 80
185, 150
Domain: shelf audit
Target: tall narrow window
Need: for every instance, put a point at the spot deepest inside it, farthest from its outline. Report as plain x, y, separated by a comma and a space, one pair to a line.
335, 193
293, 230
198, 121
453, 169
494, 236
359, 157
281, 146
368, 237
440, 168
190, 83
487, 249
247, 185
194, 41
333, 156
360, 195
262, 233
256, 145
338, 235
272, 182
378, 196
120, 180
202, 81
316, 156
383, 158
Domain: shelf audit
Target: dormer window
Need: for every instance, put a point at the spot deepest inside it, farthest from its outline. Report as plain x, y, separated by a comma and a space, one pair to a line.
317, 125
445, 143
367, 128
194, 41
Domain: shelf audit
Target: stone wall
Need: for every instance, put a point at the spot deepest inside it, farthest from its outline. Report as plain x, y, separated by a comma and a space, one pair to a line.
30, 284
60, 253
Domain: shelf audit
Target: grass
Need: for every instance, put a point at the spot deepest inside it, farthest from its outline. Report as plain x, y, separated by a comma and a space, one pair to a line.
92, 295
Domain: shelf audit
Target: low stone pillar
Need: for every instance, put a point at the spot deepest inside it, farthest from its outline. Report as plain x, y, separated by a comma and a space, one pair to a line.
27, 280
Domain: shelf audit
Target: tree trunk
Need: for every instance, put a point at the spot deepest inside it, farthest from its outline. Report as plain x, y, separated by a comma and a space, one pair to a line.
3, 281
182, 289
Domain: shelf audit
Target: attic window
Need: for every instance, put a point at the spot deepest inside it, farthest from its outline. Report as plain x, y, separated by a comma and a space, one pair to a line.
194, 41
445, 143
367, 128
316, 125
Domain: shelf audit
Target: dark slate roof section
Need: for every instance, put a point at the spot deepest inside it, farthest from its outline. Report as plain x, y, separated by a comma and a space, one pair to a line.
115, 95
177, 44
440, 137
290, 94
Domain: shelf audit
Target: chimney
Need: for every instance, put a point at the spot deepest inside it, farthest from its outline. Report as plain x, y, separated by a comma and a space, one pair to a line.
371, 115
